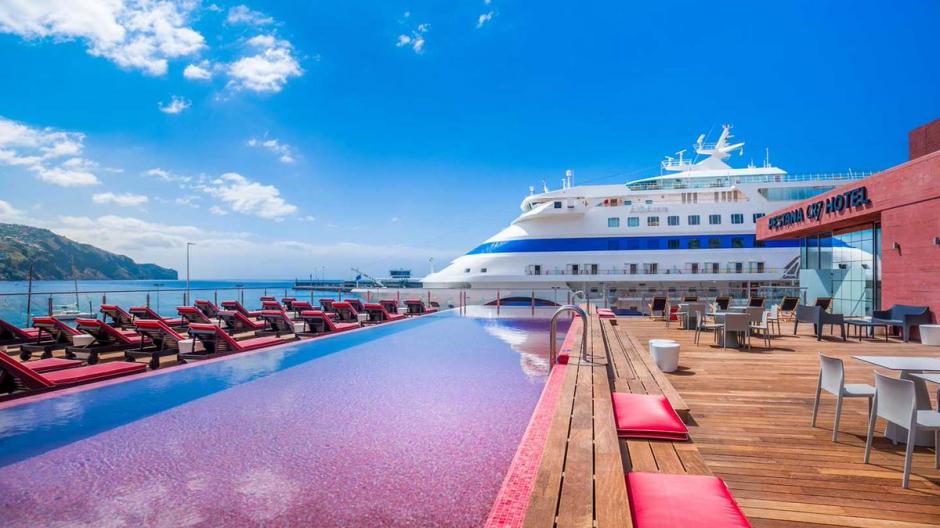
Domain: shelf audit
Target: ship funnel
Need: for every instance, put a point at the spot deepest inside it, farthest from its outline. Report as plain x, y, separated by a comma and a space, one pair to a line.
569, 175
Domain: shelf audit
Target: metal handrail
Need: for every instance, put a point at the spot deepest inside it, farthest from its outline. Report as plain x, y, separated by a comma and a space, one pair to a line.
553, 334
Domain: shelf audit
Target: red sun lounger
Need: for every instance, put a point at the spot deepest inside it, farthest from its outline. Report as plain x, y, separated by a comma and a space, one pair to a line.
15, 376
237, 322
391, 305
300, 306
317, 323
271, 305
276, 322
660, 500
289, 303
417, 307
647, 416
191, 314
345, 312
107, 339
326, 305
268, 298
605, 313
207, 307
166, 342
217, 343
14, 335
119, 318
146, 313
235, 306
52, 364
60, 336
378, 313
357, 304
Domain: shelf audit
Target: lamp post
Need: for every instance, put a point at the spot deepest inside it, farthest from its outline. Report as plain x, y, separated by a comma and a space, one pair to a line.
186, 300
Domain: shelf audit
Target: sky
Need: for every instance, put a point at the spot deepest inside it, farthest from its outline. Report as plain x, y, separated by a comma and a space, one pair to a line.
290, 138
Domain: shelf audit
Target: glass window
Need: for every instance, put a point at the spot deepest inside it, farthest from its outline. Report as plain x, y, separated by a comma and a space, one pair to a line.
788, 194
557, 205
737, 218
756, 216
673, 220
714, 219
633, 221
648, 202
613, 222
672, 244
737, 242
695, 243
694, 220
482, 270
714, 243
652, 221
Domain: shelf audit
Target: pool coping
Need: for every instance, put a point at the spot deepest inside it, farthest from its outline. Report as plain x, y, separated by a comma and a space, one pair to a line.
512, 500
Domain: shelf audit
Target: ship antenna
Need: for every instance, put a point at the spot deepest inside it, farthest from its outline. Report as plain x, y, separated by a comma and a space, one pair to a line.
767, 157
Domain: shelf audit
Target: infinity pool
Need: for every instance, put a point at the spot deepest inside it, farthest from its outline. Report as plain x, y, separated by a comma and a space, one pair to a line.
407, 424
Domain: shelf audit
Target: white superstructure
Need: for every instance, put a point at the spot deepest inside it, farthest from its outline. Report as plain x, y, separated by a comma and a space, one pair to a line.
690, 229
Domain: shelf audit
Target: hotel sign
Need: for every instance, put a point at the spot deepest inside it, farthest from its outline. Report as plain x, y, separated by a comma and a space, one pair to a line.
850, 199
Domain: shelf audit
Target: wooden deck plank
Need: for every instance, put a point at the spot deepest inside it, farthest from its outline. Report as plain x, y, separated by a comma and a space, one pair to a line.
575, 506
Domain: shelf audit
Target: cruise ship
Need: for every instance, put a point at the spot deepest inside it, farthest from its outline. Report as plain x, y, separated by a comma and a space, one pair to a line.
688, 231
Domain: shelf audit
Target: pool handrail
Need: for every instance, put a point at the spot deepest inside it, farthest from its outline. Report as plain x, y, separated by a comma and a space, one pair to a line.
553, 334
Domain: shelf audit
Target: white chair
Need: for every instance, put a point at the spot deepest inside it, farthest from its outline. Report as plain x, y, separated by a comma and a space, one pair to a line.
763, 327
895, 401
701, 324
773, 318
739, 323
832, 380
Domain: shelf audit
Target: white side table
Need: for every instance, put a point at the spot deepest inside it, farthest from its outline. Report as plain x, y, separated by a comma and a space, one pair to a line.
652, 343
930, 334
666, 356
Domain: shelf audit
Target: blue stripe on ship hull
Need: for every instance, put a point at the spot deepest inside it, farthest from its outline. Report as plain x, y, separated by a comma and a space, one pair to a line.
545, 245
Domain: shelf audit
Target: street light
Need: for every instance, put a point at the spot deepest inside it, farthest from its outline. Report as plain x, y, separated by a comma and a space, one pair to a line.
186, 301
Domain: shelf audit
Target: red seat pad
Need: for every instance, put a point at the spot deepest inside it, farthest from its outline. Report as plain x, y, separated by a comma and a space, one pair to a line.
93, 372
658, 500
342, 327
258, 342
605, 313
31, 332
51, 364
562, 359
647, 416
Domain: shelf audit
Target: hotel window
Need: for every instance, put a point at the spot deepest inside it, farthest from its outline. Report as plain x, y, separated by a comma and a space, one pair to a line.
589, 269
572, 269
650, 268
737, 218
652, 221
672, 244
714, 219
613, 222
693, 267
695, 243
672, 220
736, 267
714, 243
756, 216
557, 205
631, 268
755, 267
534, 269
737, 242
633, 221
694, 220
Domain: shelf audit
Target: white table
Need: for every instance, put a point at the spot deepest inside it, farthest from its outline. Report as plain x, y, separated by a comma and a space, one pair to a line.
911, 368
930, 378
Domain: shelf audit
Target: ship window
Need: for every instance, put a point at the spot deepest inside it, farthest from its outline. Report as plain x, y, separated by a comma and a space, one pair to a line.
652, 221
628, 202
673, 220
694, 220
693, 267
759, 243
737, 218
633, 221
714, 243
714, 219
613, 222
466, 270
557, 205
482, 270
650, 268
737, 242
672, 244
632, 268
756, 216
648, 202
695, 243
786, 194
738, 267
572, 269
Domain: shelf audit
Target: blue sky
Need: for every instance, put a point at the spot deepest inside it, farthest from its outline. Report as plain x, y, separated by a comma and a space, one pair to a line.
286, 136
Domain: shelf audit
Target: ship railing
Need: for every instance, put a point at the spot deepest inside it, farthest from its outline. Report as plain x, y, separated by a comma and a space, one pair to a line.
669, 271
682, 182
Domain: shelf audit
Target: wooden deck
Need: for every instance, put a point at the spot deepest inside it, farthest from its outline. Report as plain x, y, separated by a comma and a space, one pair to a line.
749, 415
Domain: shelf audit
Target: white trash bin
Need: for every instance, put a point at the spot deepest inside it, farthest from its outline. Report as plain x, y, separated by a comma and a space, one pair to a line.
929, 334
666, 356
654, 342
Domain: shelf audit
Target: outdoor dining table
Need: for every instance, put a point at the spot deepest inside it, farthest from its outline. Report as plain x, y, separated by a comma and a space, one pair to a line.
733, 341
911, 368
930, 378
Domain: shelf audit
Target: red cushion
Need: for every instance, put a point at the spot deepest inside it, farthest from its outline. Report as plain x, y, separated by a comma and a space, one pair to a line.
563, 358
647, 416
341, 327
258, 342
605, 313
93, 372
51, 364
658, 500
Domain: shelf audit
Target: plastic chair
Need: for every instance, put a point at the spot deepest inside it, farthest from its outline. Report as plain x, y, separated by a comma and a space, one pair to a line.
895, 400
832, 380
763, 327
740, 323
700, 325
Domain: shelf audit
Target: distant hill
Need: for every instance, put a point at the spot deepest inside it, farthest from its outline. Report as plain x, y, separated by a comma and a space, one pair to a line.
53, 255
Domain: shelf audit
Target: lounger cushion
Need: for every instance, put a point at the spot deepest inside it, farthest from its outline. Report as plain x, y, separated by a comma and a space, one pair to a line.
647, 416
93, 372
51, 364
605, 313
658, 500
342, 327
259, 342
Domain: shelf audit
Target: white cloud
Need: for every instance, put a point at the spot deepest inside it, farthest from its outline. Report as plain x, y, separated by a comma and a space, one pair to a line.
284, 152
135, 34
218, 211
242, 14
415, 40
484, 18
268, 69
175, 106
249, 197
123, 200
187, 201
41, 151
167, 176
198, 72
8, 213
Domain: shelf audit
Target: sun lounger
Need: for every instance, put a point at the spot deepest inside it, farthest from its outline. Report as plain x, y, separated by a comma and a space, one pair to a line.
316, 322
647, 416
191, 314
326, 305
14, 335
147, 313
276, 322
217, 343
345, 312
357, 305
119, 318
661, 500
235, 306
417, 307
164, 339
237, 322
16, 376
300, 306
59, 336
658, 306
106, 339
391, 305
268, 298
288, 303
723, 302
605, 313
208, 308
378, 313
271, 305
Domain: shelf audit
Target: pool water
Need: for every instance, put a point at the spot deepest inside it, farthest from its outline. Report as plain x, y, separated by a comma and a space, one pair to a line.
407, 424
